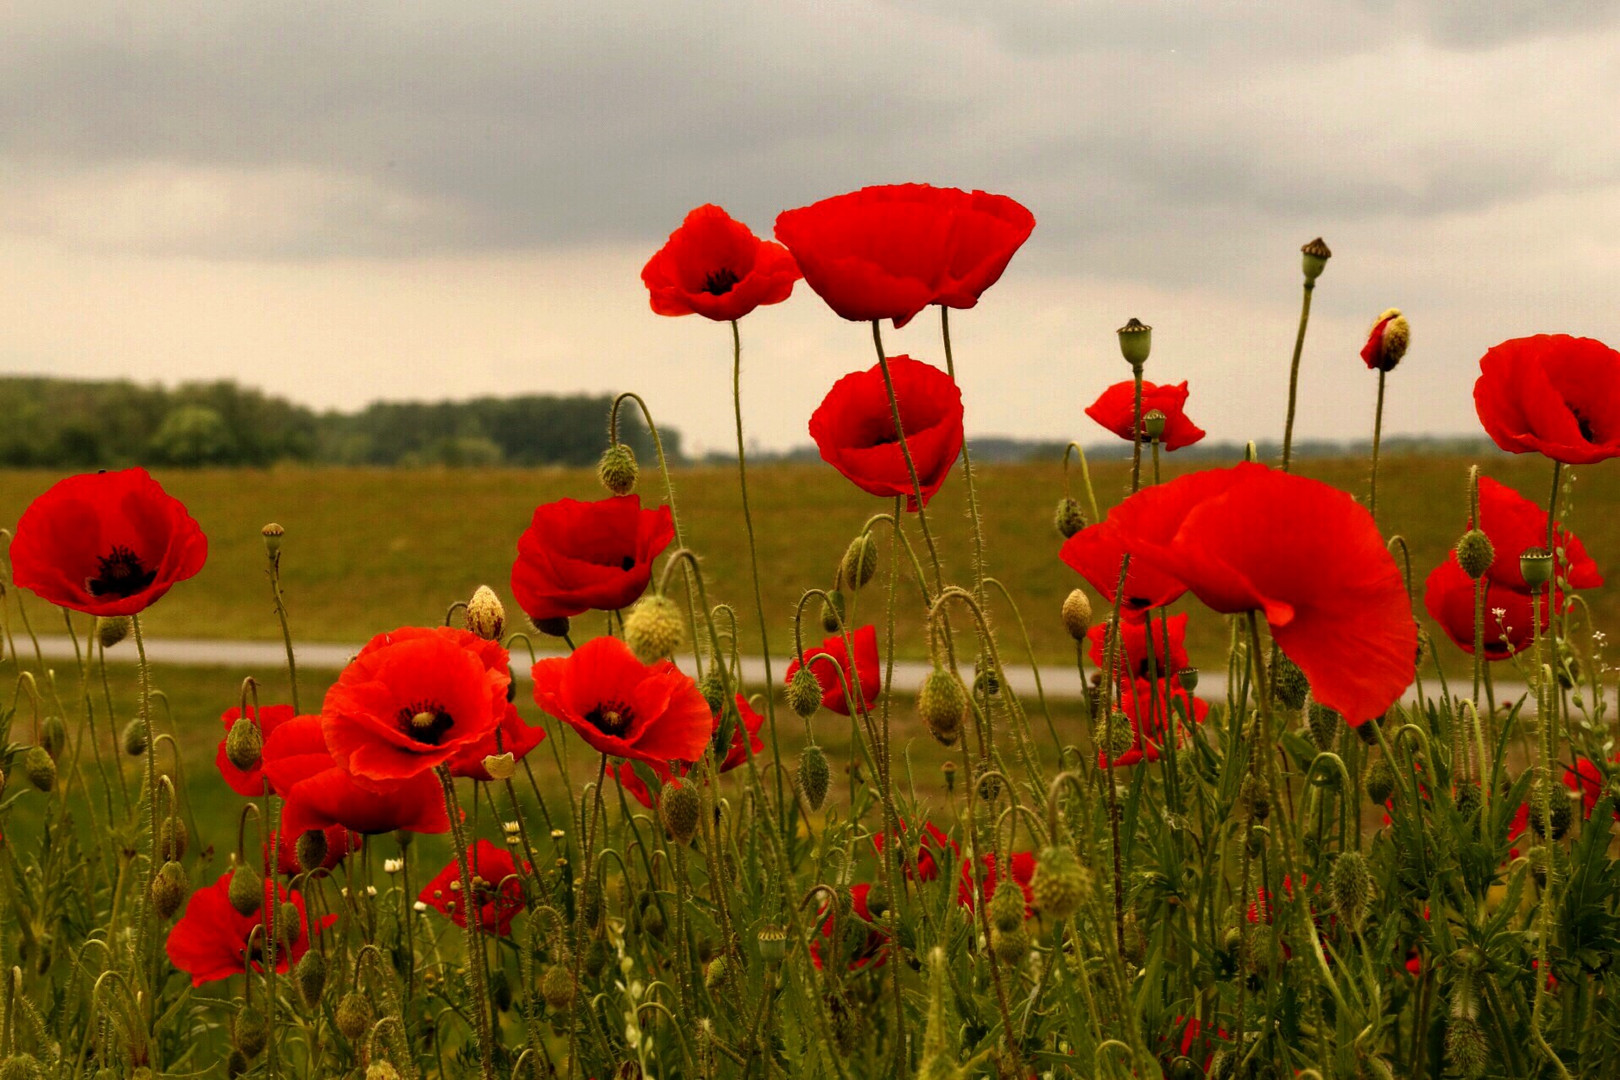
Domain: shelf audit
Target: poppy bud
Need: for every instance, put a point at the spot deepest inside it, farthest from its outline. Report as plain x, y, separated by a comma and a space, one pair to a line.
384, 1070
310, 975
1077, 614
1188, 678
354, 1015
1380, 782
1325, 724
804, 693
832, 611
250, 1032
1060, 884
1351, 884
1536, 564
39, 768
1153, 422
1068, 518
1009, 946
236, 1063
654, 629
988, 786
111, 629
860, 562
596, 957
173, 838
680, 808
1562, 816
500, 989
942, 704
485, 615
1475, 553
311, 848
1288, 683
1467, 1048
1387, 343
244, 745
618, 470
1315, 256
246, 891
652, 917
53, 735
713, 688
134, 738
814, 775
556, 627
772, 945
1117, 736
557, 987
1007, 906
590, 903
1254, 797
715, 977
948, 768
169, 889
1135, 342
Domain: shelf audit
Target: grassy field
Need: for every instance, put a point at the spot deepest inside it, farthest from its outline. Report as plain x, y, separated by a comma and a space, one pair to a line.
368, 550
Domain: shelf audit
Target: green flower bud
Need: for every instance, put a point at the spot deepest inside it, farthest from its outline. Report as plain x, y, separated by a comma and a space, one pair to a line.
1351, 886
715, 977
804, 693
832, 611
169, 889
618, 470
942, 704
1380, 782
355, 1015
1289, 686
1117, 734
592, 905
245, 891
53, 736
311, 848
1009, 946
654, 630
557, 987
1060, 884
1325, 724
596, 957
554, 627
713, 688
310, 976
860, 562
1475, 553
134, 738
1077, 614
1068, 518
1007, 906
111, 629
173, 838
250, 1032
244, 745
1255, 797
39, 767
680, 808
1467, 1048
814, 776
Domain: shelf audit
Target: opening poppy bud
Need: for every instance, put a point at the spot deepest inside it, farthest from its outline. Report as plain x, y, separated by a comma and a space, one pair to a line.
557, 627
1536, 565
680, 809
1314, 257
111, 629
1380, 782
1391, 333
618, 470
772, 945
1077, 614
250, 1032
814, 775
354, 1015
53, 735
860, 562
1009, 947
557, 987
1135, 342
832, 611
1289, 686
654, 629
1153, 422
310, 975
272, 534
485, 615
39, 768
1351, 885
169, 889
1067, 518
500, 766
244, 745
173, 838
1325, 724
246, 891
134, 738
311, 848
1007, 906
1188, 678
804, 693
1467, 1048
384, 1070
1060, 884
1475, 553
942, 703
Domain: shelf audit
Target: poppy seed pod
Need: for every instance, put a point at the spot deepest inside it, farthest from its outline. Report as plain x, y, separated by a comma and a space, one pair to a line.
942, 703
111, 629
134, 738
1077, 614
1475, 554
1060, 884
1314, 257
654, 629
618, 470
555, 626
354, 1015
39, 768
1536, 564
244, 745
1135, 342
860, 562
680, 808
485, 615
272, 534
1068, 518
1188, 678
772, 945
814, 776
169, 889
804, 693
245, 891
1153, 422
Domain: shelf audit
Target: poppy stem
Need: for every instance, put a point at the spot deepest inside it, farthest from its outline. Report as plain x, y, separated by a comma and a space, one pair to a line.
472, 916
1293, 372
1136, 430
967, 468
1378, 436
149, 811
286, 633
905, 452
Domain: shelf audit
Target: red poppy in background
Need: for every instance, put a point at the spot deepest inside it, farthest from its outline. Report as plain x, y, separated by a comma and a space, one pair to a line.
249, 782
411, 701
622, 707
864, 672
889, 251
321, 794
1154, 702
1551, 394
1023, 871
1448, 595
932, 847
1169, 653
578, 556
736, 753
862, 949
1514, 524
1140, 750
109, 543
1095, 553
340, 842
1587, 779
854, 428
496, 887
211, 939
716, 267
1115, 410
1252, 538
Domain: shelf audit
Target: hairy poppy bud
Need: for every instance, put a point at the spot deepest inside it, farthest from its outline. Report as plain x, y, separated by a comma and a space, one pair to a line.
1117, 736
1536, 564
310, 975
169, 889
713, 688
772, 944
1153, 422
1387, 342
814, 775
111, 629
1060, 884
246, 891
244, 745
1255, 798
250, 1032
554, 627
384, 1070
1558, 807
1380, 782
39, 768
680, 808
1007, 906
1325, 724
942, 703
596, 957
1475, 553
860, 562
832, 611
272, 534
654, 629
804, 693
1068, 517
1467, 1048
354, 1015
1315, 256
134, 738
485, 615
1077, 614
715, 977
53, 735
618, 470
173, 838
310, 848
1135, 342
557, 987
1288, 683
1351, 885
591, 903
1009, 946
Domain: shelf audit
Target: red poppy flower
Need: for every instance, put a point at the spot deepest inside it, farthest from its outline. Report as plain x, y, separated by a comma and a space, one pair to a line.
412, 701
249, 782
1515, 524
211, 938
716, 267
1587, 779
579, 556
1152, 701
1251, 538
1448, 595
622, 707
1190, 1036
864, 672
1169, 653
1115, 410
863, 944
1095, 553
321, 794
340, 842
496, 885
932, 847
887, 252
1023, 871
736, 753
1551, 394
1141, 749
854, 428
109, 543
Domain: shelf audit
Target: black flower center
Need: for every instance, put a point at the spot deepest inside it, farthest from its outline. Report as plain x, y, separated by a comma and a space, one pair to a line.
611, 718
720, 282
1584, 424
628, 563
425, 721
120, 573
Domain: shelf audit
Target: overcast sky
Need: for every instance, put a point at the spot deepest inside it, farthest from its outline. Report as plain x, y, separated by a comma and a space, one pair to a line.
345, 201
